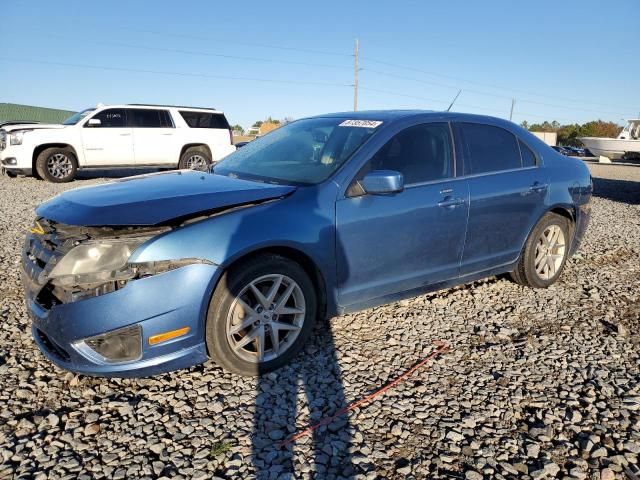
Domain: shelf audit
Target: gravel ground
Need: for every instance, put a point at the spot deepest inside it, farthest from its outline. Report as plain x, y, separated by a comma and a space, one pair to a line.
537, 384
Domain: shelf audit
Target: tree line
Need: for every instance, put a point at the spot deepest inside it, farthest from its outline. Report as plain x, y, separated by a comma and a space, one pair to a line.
568, 134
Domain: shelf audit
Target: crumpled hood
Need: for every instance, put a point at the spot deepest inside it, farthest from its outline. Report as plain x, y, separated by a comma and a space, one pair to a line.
155, 198
31, 126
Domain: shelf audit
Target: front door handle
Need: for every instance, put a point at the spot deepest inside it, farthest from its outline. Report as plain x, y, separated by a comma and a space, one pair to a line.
451, 202
125, 134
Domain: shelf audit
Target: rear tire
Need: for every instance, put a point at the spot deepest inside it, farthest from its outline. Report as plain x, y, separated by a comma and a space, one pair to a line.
57, 165
545, 253
243, 327
195, 158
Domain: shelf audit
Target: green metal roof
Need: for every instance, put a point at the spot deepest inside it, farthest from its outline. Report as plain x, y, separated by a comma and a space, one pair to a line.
12, 111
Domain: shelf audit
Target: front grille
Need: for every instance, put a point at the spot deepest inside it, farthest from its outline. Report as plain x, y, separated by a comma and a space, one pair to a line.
3, 140
52, 347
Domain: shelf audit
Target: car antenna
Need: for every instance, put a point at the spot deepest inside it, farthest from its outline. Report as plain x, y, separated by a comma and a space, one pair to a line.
454, 100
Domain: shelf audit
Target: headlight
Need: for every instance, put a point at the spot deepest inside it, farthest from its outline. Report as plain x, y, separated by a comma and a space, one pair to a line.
122, 345
95, 262
16, 138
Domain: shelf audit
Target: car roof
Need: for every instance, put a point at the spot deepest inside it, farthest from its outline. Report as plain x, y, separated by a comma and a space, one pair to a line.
151, 105
392, 115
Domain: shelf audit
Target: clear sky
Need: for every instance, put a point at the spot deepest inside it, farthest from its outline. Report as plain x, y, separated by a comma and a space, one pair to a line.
570, 61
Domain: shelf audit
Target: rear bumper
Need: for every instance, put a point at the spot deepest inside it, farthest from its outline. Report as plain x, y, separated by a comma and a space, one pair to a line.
583, 218
169, 301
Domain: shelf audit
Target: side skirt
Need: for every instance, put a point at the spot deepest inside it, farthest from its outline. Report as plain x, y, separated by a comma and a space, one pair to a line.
394, 297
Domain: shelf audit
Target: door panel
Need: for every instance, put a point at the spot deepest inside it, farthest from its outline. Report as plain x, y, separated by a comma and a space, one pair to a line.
155, 146
110, 143
389, 244
154, 138
505, 198
503, 209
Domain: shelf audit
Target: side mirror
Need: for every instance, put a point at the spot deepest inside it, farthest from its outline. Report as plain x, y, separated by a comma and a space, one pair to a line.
94, 122
380, 182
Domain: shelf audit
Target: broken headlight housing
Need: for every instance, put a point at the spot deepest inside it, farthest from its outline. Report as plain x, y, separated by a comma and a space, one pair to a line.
96, 262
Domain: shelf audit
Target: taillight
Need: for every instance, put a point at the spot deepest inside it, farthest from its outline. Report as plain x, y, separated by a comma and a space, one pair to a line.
231, 136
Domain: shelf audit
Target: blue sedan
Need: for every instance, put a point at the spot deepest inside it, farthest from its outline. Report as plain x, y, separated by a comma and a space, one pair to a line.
323, 216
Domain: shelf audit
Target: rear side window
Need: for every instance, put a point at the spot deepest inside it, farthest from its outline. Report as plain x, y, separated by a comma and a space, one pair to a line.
528, 157
489, 149
111, 118
145, 118
422, 153
204, 119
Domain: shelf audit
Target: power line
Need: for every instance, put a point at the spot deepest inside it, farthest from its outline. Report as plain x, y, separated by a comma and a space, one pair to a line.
477, 107
204, 53
497, 87
181, 74
230, 42
426, 82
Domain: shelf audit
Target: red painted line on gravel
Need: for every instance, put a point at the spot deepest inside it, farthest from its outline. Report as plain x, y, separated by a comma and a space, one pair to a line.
442, 346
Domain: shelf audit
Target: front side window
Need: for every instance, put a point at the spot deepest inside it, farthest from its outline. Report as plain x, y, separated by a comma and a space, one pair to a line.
111, 118
146, 118
304, 152
422, 153
489, 149
204, 119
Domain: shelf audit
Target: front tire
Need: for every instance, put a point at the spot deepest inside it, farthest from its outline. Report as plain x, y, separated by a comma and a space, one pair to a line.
57, 165
545, 253
195, 158
260, 315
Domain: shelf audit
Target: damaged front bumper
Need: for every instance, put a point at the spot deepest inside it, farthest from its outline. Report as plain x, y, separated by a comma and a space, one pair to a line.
176, 299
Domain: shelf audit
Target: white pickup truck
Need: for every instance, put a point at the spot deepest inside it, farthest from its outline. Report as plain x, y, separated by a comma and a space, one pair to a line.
117, 136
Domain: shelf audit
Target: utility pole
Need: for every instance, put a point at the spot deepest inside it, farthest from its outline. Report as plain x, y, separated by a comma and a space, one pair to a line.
355, 75
513, 104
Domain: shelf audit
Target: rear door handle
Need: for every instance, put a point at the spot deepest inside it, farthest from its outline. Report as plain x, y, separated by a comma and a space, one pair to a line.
125, 134
538, 187
451, 202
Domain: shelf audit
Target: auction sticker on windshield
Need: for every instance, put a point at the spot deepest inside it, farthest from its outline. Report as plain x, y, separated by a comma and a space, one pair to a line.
361, 123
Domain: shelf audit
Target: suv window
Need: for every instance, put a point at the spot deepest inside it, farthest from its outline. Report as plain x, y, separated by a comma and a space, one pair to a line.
204, 119
489, 149
528, 157
111, 118
422, 153
145, 118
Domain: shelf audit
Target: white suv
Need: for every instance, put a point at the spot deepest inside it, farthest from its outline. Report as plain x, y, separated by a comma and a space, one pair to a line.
117, 136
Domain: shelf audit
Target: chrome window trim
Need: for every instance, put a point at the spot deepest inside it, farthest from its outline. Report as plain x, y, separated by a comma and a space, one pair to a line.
484, 174
432, 182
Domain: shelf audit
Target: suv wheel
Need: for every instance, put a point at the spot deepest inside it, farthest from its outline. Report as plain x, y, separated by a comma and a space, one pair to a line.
195, 158
57, 165
545, 253
260, 315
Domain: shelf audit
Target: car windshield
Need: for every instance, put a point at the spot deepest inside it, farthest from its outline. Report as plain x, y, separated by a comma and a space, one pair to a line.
76, 117
304, 152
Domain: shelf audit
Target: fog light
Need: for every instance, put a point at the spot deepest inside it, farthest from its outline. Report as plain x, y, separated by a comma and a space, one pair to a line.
122, 345
9, 161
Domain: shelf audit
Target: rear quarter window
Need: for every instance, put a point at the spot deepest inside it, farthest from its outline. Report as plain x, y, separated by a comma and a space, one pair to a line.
204, 119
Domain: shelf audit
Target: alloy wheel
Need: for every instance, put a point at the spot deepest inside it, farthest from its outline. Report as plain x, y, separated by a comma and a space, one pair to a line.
265, 318
550, 252
197, 162
59, 165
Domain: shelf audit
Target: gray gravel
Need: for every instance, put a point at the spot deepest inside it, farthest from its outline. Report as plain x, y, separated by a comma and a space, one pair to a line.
538, 384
